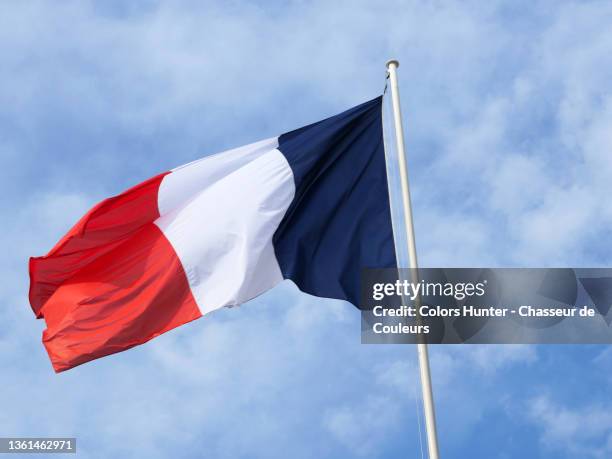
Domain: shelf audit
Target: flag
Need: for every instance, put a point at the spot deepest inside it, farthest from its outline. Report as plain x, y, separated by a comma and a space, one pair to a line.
310, 205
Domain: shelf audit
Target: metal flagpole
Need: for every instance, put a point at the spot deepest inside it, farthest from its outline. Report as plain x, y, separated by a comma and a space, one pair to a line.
428, 402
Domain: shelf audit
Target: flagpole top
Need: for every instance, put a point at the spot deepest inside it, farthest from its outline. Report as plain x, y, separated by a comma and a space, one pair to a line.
391, 62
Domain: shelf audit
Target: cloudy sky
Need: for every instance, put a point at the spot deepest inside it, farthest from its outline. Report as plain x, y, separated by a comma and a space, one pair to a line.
508, 111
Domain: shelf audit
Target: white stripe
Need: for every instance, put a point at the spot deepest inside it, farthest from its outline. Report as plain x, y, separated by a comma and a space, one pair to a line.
220, 213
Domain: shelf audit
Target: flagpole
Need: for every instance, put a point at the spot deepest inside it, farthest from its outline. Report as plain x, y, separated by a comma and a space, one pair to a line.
428, 401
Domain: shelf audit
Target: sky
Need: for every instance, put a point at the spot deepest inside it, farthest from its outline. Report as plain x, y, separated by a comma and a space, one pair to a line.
508, 116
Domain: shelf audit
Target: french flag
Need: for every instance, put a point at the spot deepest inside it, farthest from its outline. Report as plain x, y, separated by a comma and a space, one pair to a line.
311, 205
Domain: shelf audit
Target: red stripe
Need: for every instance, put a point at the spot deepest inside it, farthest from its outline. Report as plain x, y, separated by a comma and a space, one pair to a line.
111, 283
130, 294
101, 230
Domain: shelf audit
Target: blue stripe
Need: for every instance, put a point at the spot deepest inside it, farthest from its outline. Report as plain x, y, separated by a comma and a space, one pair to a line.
339, 221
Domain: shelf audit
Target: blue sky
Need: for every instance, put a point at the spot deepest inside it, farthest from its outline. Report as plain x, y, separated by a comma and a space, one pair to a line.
508, 113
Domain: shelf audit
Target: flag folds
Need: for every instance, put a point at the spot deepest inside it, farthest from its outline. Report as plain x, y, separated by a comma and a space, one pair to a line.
310, 205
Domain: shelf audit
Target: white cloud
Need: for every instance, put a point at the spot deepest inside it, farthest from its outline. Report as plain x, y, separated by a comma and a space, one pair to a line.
363, 427
584, 431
